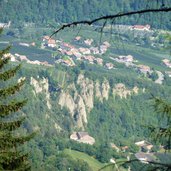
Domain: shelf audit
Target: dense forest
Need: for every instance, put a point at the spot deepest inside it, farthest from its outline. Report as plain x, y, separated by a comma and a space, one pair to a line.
122, 121
57, 11
116, 120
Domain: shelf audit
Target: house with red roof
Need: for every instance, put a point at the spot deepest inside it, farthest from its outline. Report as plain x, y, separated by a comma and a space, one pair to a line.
141, 27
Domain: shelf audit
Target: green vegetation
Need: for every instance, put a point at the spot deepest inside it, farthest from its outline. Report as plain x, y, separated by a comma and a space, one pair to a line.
57, 11
93, 163
12, 156
119, 121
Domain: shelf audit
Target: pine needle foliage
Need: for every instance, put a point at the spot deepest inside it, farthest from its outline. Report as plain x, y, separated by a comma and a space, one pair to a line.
12, 157
162, 133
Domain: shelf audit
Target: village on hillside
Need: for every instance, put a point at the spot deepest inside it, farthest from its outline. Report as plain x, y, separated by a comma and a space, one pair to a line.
86, 50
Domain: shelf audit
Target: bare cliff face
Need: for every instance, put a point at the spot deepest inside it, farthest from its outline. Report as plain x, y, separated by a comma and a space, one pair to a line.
75, 105
105, 89
87, 91
123, 92
41, 86
65, 99
79, 97
102, 90
82, 102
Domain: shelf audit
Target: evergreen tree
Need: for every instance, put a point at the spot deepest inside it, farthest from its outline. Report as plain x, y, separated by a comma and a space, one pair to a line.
162, 133
12, 157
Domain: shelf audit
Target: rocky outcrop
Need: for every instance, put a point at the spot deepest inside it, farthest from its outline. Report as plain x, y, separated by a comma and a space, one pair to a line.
123, 92
57, 127
76, 107
98, 93
105, 89
81, 110
87, 91
102, 91
41, 86
81, 102
135, 90
65, 99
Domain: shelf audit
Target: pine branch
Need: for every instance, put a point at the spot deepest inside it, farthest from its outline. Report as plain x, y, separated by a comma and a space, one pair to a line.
111, 17
14, 161
11, 157
4, 62
161, 107
5, 110
11, 90
10, 73
12, 125
4, 51
8, 141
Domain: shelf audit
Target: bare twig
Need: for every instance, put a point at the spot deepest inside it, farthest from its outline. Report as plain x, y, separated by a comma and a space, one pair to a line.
110, 17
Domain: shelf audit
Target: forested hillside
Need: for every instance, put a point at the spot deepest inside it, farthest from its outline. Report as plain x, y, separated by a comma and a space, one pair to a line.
112, 104
90, 95
57, 11
114, 117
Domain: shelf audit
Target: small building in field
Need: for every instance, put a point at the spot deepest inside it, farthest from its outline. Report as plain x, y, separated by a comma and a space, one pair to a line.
82, 137
141, 27
77, 38
144, 145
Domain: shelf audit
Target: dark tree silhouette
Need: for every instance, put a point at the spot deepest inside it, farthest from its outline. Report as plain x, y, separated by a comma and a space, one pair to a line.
12, 157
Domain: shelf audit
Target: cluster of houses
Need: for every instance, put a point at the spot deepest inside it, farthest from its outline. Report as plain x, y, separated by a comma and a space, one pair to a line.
129, 61
17, 57
144, 146
83, 53
36, 62
82, 137
69, 52
120, 27
48, 42
144, 155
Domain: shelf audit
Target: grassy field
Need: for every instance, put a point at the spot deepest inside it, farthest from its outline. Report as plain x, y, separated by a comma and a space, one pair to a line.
93, 163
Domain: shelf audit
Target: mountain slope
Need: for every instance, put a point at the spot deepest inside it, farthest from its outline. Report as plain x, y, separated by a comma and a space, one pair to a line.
57, 11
